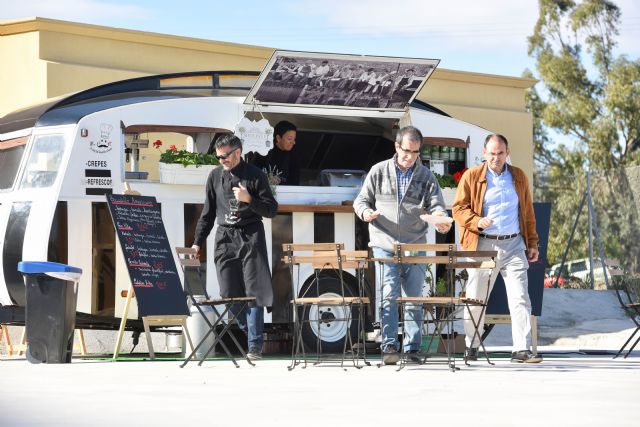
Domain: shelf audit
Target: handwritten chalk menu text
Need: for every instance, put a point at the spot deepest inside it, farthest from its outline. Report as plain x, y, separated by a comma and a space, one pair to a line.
149, 259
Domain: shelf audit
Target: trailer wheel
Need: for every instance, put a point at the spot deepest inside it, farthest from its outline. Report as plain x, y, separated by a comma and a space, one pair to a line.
328, 322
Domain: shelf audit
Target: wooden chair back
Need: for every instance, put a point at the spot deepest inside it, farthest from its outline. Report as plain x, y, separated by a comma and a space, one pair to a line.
186, 256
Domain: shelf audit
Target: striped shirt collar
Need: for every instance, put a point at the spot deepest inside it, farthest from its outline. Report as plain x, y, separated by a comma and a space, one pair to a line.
403, 177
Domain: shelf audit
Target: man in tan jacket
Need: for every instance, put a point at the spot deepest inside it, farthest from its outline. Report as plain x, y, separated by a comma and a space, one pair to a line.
494, 210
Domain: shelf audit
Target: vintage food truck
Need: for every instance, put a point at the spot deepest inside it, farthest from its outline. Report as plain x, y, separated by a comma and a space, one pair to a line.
59, 159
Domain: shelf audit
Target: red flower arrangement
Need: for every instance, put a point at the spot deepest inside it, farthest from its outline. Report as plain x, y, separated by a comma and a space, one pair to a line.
458, 175
184, 157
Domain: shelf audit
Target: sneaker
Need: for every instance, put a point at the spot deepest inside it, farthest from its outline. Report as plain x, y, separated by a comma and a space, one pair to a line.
470, 354
390, 355
414, 356
254, 353
525, 356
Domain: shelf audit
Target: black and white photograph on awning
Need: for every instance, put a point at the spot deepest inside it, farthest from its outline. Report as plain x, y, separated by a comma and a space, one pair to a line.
334, 80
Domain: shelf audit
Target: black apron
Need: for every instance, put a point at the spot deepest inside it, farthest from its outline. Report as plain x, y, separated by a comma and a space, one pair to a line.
242, 263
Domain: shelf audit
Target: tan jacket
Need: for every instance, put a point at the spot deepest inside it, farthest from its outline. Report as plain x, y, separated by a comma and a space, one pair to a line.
467, 207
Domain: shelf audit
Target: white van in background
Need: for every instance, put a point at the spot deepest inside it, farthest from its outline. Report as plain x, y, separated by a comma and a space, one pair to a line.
579, 269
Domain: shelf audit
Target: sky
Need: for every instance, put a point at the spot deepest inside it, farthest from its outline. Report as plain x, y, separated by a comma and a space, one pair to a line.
484, 36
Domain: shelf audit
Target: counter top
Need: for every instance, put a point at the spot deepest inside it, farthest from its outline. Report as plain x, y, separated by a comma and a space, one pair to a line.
316, 208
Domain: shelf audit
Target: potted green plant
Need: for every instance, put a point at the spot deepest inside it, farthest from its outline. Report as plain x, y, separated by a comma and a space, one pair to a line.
184, 157
184, 167
448, 185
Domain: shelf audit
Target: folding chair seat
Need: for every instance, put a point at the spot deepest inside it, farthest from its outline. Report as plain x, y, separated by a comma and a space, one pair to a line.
223, 315
438, 311
327, 257
629, 298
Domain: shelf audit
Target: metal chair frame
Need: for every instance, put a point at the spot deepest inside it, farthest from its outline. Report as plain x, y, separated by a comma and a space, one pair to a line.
184, 255
450, 304
630, 303
326, 256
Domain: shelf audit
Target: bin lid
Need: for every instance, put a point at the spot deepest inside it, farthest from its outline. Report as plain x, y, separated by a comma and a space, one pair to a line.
34, 267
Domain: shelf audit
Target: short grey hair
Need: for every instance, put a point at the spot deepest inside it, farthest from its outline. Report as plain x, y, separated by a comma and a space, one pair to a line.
229, 140
412, 133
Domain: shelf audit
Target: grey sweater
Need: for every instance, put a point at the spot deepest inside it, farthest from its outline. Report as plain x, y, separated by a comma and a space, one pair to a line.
399, 222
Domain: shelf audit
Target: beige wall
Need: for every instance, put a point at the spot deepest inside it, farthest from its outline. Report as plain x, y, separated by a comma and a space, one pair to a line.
43, 58
22, 76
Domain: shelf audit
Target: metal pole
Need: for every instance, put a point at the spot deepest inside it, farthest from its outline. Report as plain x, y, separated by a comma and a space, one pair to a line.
599, 242
590, 212
573, 230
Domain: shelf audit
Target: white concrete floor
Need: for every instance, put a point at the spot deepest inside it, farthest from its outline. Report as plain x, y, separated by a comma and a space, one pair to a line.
561, 391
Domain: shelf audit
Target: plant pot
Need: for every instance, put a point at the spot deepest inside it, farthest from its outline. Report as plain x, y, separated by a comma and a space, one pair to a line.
430, 343
175, 173
449, 195
457, 343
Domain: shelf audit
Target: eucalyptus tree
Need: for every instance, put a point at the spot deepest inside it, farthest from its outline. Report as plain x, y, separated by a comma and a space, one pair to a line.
591, 96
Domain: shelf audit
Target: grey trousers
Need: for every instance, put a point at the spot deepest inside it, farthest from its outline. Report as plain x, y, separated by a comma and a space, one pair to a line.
512, 264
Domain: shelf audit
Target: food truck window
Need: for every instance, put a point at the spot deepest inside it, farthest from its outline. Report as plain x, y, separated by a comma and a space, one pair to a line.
146, 159
317, 151
9, 162
44, 161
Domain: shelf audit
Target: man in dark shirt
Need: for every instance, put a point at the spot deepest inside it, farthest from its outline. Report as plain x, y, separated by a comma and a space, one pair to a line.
239, 196
281, 163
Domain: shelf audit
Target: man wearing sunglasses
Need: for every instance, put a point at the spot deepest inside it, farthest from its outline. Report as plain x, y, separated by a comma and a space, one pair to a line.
238, 195
394, 195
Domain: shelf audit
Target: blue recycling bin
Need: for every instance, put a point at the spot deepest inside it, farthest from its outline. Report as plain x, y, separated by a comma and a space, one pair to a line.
50, 313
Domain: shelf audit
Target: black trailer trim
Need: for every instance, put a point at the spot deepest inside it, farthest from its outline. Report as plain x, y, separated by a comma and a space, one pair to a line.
98, 191
12, 251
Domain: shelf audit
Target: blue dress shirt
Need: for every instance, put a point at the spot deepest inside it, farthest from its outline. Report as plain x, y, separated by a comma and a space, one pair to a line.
501, 203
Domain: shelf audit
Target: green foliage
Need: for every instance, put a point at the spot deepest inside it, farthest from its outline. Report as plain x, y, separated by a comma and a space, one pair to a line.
187, 158
441, 287
446, 180
593, 98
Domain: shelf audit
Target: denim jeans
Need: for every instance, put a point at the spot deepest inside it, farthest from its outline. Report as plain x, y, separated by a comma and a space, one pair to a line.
397, 278
251, 321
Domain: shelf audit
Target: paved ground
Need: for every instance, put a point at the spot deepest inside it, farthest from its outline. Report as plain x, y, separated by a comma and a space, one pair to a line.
567, 390
570, 388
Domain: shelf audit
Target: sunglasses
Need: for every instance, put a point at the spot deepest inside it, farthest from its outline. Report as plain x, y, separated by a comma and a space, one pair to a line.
225, 156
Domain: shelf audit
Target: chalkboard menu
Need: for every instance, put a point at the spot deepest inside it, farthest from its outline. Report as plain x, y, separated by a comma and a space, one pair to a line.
149, 258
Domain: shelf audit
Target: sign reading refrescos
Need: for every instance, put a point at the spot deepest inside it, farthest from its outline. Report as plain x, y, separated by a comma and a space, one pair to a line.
97, 178
149, 259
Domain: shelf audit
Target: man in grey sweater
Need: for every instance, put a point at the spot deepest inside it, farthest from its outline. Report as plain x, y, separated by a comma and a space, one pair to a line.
394, 195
